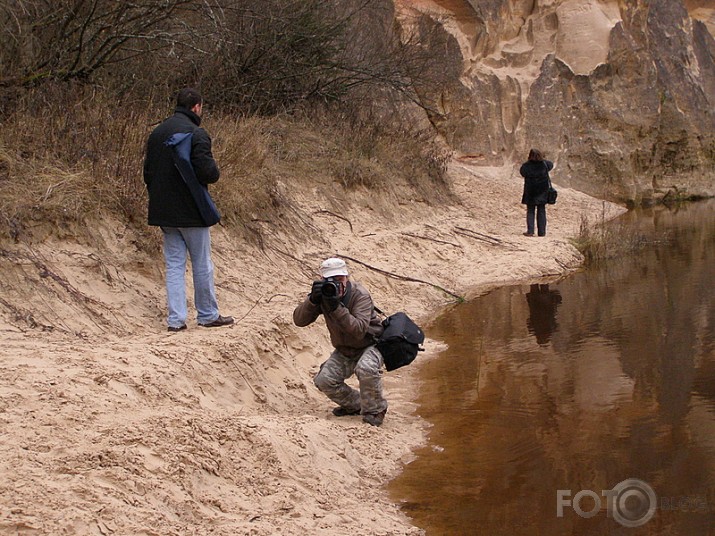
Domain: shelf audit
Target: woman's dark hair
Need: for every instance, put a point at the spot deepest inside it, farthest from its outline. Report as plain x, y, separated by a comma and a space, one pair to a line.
536, 155
188, 98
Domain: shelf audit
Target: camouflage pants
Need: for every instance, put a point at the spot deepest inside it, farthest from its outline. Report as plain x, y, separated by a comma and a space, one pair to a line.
367, 367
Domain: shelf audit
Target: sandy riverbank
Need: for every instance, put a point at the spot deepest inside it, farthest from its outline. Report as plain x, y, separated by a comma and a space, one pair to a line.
111, 425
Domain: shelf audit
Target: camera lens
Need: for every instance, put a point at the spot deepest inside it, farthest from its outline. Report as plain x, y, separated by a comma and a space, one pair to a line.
329, 289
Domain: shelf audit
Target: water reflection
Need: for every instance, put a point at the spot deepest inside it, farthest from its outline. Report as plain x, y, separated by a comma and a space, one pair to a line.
542, 304
607, 375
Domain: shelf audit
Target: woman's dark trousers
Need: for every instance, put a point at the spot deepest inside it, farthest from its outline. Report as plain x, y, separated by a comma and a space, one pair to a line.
540, 219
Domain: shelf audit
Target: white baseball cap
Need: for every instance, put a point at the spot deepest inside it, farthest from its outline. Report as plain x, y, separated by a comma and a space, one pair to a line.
332, 267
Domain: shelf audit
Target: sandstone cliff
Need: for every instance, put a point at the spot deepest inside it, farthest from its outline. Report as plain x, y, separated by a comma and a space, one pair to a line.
620, 93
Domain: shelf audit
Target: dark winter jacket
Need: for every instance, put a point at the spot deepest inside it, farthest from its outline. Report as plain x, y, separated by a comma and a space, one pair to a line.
352, 328
170, 201
536, 181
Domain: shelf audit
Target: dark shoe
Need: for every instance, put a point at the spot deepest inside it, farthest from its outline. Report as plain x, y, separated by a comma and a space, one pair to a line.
344, 412
528, 234
374, 419
220, 321
180, 328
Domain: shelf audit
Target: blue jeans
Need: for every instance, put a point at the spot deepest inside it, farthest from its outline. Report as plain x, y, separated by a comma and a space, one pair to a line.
197, 242
540, 219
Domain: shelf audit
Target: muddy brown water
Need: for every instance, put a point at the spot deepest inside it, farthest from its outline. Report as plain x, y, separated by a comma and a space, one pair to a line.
581, 386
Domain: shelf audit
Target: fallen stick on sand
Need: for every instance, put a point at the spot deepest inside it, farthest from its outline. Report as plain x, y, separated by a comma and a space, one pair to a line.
404, 277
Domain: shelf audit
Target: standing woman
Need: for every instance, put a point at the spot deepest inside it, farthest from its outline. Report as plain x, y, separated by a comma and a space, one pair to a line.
536, 186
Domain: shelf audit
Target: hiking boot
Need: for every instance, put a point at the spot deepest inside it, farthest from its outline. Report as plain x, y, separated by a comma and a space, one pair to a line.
344, 412
528, 234
374, 419
220, 321
180, 328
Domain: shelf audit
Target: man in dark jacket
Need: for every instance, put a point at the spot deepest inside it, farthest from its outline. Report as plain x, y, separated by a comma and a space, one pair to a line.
173, 208
536, 187
353, 325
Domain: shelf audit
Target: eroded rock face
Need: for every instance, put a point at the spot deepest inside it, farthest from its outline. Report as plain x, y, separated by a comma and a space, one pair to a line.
621, 93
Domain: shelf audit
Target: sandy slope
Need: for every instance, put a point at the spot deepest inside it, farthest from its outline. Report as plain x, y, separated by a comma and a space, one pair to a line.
110, 425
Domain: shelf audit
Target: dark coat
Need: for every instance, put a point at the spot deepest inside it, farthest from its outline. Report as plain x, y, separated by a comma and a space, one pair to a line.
536, 181
170, 201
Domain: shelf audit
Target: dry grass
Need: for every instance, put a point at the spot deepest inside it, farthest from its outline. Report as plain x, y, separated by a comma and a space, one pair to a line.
35, 188
63, 161
607, 240
380, 153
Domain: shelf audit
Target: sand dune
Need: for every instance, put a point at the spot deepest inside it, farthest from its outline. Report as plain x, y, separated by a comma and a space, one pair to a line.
111, 425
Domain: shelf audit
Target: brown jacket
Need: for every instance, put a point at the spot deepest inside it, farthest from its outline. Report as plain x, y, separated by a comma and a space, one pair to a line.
352, 328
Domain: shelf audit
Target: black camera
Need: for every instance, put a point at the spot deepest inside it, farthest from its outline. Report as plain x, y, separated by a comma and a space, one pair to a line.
331, 287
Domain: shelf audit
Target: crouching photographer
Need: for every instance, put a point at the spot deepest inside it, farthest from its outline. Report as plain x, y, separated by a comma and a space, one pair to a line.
353, 326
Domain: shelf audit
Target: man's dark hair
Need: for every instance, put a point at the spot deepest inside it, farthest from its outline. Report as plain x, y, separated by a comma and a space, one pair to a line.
535, 155
188, 98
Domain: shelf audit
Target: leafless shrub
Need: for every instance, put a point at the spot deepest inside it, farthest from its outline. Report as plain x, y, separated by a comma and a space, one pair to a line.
276, 54
51, 39
255, 56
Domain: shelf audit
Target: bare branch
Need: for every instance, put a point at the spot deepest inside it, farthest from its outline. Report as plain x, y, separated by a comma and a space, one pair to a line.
403, 277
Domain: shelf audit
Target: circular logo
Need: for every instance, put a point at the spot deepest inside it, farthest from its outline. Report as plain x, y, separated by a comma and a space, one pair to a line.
635, 503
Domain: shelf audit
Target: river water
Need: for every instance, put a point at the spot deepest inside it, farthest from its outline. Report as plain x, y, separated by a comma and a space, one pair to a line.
551, 398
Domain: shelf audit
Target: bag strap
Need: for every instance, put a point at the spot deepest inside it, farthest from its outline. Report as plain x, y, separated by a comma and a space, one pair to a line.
346, 297
378, 311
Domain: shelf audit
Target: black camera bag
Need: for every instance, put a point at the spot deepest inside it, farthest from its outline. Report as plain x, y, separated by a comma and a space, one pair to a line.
400, 341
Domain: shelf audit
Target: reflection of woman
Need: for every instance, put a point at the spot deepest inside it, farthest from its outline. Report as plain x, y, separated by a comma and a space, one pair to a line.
536, 186
542, 311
